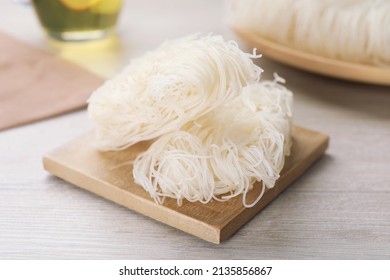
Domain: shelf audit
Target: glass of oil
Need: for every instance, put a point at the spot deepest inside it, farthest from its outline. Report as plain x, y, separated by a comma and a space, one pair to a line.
78, 20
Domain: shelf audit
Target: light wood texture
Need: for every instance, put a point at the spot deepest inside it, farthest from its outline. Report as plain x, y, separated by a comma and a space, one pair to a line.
339, 209
315, 63
108, 175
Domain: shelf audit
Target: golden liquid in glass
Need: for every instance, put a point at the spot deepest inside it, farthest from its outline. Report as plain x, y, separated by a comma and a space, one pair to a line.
78, 20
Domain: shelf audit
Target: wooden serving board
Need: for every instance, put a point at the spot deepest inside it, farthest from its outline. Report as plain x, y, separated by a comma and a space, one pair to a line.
109, 175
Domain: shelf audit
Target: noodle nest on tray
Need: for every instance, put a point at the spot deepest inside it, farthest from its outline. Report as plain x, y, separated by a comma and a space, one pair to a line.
216, 128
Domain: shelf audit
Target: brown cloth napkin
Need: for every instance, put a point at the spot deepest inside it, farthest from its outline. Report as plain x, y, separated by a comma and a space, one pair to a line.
35, 85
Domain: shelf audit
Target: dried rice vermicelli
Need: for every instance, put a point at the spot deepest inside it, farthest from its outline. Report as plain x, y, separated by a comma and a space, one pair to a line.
164, 89
351, 30
221, 154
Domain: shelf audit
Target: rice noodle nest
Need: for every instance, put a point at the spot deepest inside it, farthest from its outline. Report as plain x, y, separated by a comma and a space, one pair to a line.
221, 154
164, 89
216, 128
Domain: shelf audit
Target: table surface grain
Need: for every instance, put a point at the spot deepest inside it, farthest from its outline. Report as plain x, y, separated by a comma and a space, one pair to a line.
339, 209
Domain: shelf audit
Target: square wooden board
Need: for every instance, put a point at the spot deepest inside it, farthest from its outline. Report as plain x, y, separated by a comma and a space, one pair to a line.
107, 175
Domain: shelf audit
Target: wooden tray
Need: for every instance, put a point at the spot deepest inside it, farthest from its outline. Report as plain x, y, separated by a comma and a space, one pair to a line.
105, 174
317, 64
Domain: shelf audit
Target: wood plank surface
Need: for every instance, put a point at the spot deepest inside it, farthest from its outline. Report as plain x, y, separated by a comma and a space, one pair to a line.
109, 175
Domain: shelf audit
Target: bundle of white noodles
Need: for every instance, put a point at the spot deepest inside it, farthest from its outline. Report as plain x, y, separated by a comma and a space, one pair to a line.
351, 30
217, 128
164, 89
221, 154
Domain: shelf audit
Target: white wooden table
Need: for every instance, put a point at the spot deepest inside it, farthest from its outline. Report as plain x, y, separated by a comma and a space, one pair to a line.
339, 209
